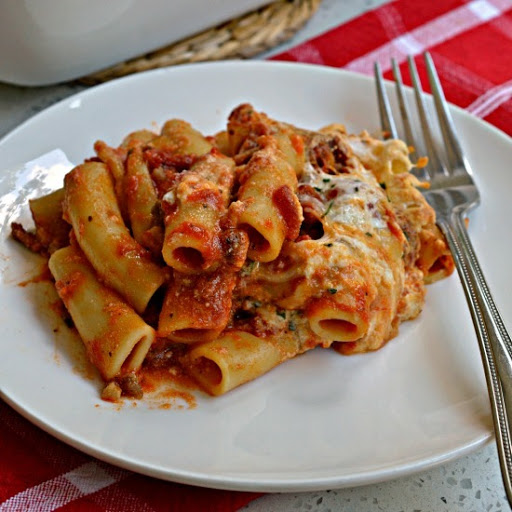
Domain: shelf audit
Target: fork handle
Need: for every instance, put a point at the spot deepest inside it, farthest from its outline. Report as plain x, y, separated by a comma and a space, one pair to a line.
493, 338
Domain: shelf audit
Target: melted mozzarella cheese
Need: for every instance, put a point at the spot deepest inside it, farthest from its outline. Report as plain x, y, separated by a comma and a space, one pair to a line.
351, 199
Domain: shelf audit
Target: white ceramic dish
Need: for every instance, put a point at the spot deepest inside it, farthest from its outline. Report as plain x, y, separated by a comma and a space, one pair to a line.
49, 41
320, 421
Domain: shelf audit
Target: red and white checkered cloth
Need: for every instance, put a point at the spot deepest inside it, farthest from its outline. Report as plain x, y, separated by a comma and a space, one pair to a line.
39, 473
471, 43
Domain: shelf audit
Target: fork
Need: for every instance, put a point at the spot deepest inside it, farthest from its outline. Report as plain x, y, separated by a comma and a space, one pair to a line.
452, 194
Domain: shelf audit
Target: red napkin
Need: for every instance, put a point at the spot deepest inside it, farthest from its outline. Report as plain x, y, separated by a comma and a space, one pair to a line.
40, 473
471, 43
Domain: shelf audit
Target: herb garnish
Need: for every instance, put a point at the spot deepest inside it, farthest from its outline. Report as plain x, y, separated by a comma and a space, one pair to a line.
328, 209
248, 268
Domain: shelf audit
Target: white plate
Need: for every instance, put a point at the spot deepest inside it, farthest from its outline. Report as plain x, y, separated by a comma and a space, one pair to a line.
320, 421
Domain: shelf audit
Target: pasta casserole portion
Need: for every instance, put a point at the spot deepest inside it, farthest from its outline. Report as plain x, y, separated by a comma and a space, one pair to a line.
224, 255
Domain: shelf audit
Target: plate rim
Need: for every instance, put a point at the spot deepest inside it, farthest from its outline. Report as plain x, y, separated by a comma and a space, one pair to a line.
230, 62
248, 484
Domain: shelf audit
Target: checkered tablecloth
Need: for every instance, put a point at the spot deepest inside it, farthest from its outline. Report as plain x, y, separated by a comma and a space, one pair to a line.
471, 44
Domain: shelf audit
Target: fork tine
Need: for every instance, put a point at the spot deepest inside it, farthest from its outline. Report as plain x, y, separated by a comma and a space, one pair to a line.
454, 152
419, 172
435, 164
386, 118
409, 136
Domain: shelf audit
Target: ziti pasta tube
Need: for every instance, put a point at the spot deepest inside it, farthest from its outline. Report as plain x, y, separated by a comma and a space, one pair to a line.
193, 210
115, 336
90, 206
51, 229
268, 207
237, 357
141, 200
196, 307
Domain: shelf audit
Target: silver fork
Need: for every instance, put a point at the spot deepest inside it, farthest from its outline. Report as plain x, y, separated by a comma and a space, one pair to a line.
452, 194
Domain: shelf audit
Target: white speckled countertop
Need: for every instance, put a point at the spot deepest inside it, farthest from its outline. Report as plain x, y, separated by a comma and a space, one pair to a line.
470, 484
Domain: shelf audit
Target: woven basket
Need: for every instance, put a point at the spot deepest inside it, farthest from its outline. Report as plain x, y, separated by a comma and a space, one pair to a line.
241, 38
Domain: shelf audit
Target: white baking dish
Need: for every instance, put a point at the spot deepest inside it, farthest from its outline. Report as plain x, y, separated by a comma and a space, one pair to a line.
49, 41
